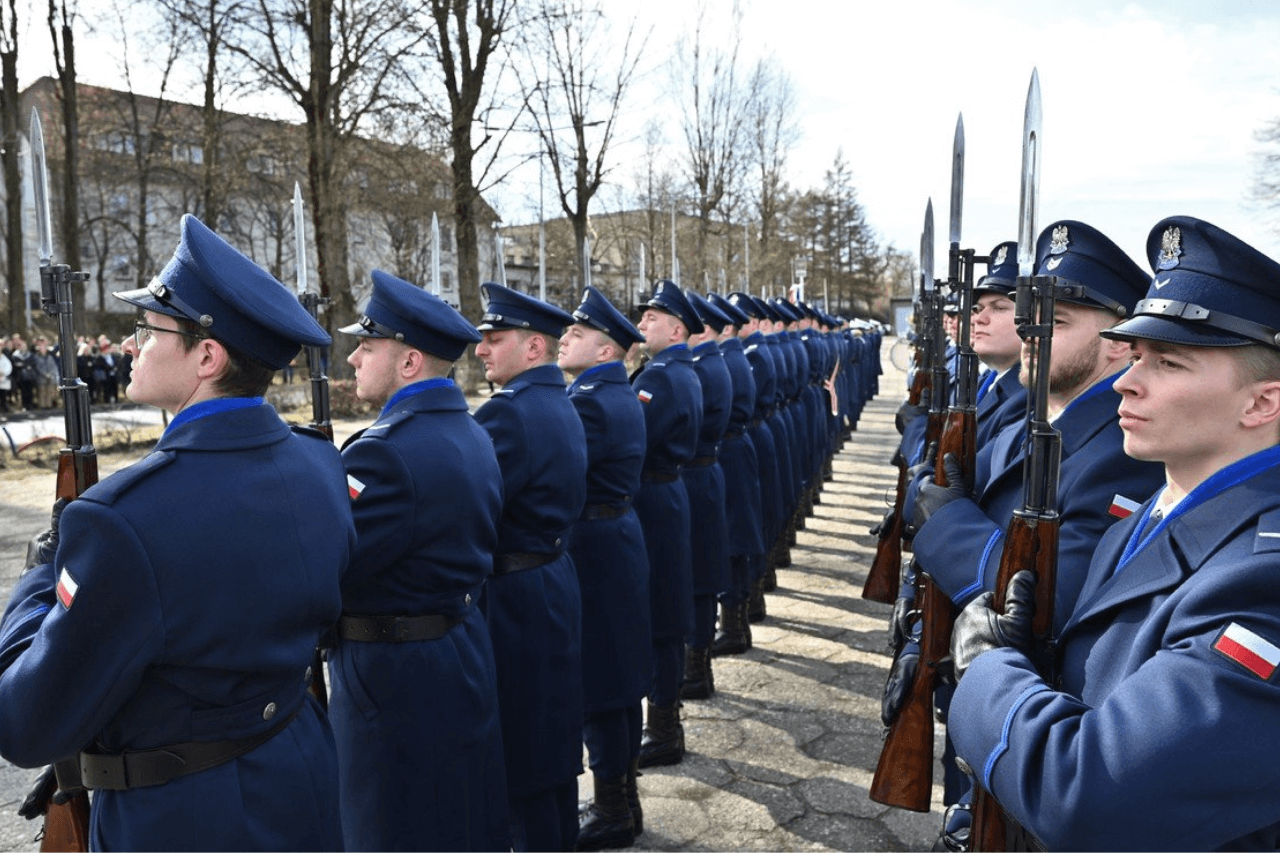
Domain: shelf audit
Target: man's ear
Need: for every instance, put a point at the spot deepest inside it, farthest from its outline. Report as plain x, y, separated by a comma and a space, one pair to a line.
212, 358
1265, 407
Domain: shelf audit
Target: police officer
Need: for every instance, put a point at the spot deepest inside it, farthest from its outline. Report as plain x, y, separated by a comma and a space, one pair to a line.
607, 546
705, 483
162, 640
671, 398
960, 536
1157, 728
741, 467
532, 601
415, 695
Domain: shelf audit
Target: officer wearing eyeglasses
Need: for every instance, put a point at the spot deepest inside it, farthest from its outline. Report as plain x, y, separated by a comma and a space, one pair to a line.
161, 635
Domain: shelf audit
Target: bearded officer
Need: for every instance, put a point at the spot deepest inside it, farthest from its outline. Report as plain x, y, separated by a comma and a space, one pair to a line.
608, 551
163, 644
415, 696
532, 602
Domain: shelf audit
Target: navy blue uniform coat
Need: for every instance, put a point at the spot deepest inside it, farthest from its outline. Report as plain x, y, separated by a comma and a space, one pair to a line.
1154, 739
738, 456
204, 575
417, 726
705, 482
671, 398
535, 615
609, 553
961, 544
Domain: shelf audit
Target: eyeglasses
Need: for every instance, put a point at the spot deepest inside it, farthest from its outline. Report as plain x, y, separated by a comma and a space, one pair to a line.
142, 333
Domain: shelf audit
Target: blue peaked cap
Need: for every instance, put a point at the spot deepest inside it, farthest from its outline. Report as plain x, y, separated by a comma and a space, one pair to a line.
600, 314
1080, 254
746, 303
709, 314
510, 309
1002, 270
667, 296
1210, 289
234, 300
405, 312
736, 315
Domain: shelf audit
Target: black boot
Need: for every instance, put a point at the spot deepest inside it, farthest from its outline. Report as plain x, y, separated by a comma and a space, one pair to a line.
633, 796
698, 682
781, 559
755, 604
607, 823
732, 638
663, 739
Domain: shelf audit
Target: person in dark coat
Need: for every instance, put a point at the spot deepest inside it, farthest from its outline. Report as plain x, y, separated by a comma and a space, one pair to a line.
1156, 725
162, 633
414, 701
671, 396
705, 483
532, 601
607, 546
742, 478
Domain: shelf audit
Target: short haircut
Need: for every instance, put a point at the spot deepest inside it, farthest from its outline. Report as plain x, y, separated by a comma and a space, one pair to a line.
244, 376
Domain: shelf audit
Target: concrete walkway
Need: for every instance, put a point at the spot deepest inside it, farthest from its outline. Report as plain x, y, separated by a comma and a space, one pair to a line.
780, 758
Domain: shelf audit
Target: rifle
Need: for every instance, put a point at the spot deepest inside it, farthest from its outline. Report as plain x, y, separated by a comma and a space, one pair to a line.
904, 772
1031, 541
321, 418
884, 577
66, 824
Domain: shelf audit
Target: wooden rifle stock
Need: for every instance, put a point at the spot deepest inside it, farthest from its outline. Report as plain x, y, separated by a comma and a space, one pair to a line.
904, 773
1031, 543
882, 582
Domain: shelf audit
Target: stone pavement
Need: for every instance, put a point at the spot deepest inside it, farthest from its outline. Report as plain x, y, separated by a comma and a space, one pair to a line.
781, 757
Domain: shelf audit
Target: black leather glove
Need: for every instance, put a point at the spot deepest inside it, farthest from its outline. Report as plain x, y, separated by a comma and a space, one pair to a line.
904, 619
980, 629
933, 497
901, 674
908, 413
44, 546
44, 791
925, 465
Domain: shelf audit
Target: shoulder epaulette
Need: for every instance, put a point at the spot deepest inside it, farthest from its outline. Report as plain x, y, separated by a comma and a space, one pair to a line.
108, 491
308, 431
512, 388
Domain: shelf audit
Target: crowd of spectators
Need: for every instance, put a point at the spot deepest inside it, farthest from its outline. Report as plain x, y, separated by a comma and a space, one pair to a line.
30, 374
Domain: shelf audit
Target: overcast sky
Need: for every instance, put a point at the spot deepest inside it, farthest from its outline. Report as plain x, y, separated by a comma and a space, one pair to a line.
1150, 108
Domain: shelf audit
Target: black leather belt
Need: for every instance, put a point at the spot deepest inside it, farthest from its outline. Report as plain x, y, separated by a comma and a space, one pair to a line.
593, 512
395, 629
146, 768
518, 561
700, 462
659, 476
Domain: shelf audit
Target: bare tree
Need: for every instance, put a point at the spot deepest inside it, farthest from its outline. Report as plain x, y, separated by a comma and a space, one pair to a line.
60, 21
466, 39
10, 122
773, 132
576, 107
714, 105
343, 63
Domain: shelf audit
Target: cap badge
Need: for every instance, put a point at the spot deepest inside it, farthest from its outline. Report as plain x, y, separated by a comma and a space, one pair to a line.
1170, 247
1053, 263
1060, 240
1000, 256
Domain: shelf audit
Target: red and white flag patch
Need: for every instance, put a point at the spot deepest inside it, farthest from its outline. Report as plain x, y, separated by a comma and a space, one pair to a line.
1246, 648
67, 588
1122, 507
645, 396
354, 487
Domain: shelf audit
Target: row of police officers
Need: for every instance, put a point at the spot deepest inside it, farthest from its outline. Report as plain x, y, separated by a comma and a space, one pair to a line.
492, 590
1147, 720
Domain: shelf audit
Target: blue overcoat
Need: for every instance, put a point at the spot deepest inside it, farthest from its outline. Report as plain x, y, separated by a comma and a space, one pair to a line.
185, 604
961, 544
1164, 729
416, 723
608, 550
535, 615
671, 398
704, 476
738, 456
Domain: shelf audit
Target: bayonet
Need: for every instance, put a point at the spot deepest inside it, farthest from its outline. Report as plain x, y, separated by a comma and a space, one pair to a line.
1030, 196
40, 186
957, 181
300, 239
499, 260
586, 262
